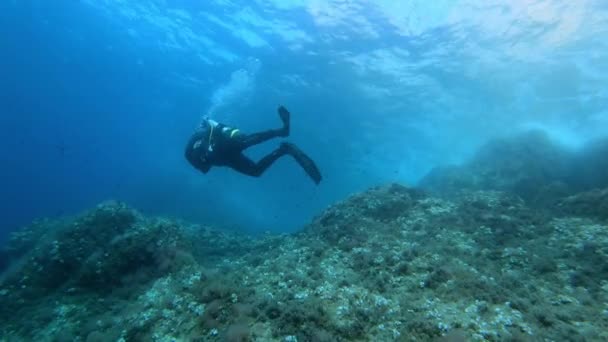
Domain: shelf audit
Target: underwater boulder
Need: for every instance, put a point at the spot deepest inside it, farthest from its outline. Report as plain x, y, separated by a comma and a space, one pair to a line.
548, 195
525, 165
588, 168
382, 203
48, 254
503, 214
593, 204
448, 180
98, 252
388, 203
349, 223
22, 241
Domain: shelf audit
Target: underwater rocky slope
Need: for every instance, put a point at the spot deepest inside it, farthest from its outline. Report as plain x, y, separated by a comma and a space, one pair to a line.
392, 263
530, 165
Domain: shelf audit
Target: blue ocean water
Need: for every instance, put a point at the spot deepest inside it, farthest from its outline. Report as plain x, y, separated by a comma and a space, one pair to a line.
99, 97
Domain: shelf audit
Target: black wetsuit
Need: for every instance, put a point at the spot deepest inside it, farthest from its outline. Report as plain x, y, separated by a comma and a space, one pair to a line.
220, 145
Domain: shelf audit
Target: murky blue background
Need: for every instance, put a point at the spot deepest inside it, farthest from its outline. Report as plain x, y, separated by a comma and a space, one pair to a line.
99, 97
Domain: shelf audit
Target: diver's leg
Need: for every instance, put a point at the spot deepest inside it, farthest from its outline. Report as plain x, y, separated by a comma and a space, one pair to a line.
247, 166
247, 140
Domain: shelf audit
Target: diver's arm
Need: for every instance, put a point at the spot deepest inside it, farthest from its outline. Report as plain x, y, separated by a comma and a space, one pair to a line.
196, 152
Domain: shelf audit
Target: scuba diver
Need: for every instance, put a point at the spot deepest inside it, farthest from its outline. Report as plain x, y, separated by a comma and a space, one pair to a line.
215, 144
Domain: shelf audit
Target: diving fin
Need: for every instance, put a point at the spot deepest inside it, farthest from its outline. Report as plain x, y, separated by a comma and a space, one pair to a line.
285, 117
305, 162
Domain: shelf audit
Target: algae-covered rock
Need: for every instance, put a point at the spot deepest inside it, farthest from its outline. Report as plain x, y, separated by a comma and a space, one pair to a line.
63, 272
592, 203
349, 222
531, 166
505, 215
588, 167
53, 255
450, 180
96, 252
525, 164
387, 264
520, 162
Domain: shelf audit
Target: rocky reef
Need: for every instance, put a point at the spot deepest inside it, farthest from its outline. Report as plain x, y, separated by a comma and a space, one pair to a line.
392, 263
531, 165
